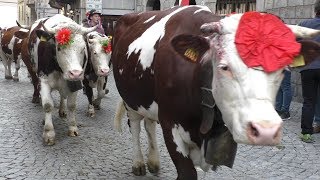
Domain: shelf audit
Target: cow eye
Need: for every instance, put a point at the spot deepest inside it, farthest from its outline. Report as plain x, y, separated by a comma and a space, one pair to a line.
223, 67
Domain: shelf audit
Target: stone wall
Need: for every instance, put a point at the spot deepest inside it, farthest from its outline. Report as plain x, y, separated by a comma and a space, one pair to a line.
292, 12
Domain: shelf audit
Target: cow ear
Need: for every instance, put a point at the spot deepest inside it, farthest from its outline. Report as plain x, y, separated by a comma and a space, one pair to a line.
309, 52
190, 47
43, 35
21, 35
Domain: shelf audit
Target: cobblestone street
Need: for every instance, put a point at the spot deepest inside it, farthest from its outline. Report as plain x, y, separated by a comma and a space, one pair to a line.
99, 152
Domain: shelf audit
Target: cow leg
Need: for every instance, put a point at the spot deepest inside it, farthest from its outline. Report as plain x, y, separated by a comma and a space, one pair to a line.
7, 67
101, 92
138, 168
71, 105
183, 164
62, 108
89, 94
17, 68
153, 155
47, 104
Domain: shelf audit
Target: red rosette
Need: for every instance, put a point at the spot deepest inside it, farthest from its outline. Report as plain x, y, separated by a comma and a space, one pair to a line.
63, 36
264, 40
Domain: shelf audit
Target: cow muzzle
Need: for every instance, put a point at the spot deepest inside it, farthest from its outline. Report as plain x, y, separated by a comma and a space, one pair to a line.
75, 75
264, 133
103, 72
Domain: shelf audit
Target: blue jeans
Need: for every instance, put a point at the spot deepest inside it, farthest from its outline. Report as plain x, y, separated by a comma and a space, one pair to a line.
284, 95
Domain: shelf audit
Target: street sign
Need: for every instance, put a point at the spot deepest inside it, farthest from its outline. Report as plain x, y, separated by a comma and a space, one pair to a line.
94, 4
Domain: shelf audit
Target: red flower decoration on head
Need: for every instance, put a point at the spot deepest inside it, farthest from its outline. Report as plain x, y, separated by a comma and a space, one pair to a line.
106, 45
63, 37
264, 40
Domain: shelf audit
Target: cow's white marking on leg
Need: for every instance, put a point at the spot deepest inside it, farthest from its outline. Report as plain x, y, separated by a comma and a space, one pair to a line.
71, 105
181, 138
153, 155
120, 71
138, 162
188, 148
150, 19
151, 112
47, 104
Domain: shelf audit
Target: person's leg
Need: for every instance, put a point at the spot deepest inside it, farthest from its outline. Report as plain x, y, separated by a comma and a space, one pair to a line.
316, 120
287, 95
309, 92
279, 100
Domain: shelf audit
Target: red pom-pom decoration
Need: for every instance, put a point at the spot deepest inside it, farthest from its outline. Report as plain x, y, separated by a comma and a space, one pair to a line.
63, 37
264, 40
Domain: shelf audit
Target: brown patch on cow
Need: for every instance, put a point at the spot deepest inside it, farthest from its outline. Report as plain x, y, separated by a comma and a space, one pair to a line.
21, 34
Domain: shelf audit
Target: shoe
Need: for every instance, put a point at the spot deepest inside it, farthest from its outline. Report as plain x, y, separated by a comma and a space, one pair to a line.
307, 138
285, 116
316, 128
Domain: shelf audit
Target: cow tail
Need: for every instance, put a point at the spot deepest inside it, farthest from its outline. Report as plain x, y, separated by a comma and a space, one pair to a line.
118, 117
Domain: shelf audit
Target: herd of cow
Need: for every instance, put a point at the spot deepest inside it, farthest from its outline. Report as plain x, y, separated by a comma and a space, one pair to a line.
181, 68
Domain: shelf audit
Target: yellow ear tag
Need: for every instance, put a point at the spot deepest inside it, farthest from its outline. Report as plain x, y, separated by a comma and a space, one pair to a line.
298, 61
191, 54
43, 38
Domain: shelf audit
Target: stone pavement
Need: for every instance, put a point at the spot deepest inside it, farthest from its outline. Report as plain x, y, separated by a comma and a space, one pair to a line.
101, 153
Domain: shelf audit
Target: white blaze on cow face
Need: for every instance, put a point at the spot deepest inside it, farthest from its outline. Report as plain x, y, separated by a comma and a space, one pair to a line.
71, 58
244, 95
99, 58
146, 42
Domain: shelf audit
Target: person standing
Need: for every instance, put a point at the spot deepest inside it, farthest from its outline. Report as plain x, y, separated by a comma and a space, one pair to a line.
94, 19
310, 81
284, 96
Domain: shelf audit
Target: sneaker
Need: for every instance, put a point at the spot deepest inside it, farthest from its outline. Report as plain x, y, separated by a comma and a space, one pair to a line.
285, 116
307, 138
316, 128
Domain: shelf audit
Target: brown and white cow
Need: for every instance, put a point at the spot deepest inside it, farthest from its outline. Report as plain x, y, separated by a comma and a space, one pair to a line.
11, 47
167, 69
58, 54
97, 69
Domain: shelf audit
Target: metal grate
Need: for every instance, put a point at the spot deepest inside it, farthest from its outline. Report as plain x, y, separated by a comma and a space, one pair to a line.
238, 6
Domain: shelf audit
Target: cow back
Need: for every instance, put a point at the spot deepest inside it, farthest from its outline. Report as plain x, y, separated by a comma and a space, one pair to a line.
147, 69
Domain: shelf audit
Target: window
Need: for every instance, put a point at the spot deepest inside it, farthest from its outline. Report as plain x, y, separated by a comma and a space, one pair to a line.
238, 6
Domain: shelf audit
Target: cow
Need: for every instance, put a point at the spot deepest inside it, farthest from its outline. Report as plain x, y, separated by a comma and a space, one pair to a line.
58, 55
180, 67
99, 54
11, 47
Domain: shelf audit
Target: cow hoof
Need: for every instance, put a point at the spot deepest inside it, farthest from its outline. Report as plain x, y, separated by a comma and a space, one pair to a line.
36, 100
49, 142
49, 138
153, 167
73, 132
8, 77
62, 114
15, 79
139, 169
97, 107
91, 114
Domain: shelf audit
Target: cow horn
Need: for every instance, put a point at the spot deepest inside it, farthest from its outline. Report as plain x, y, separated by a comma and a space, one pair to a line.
209, 28
48, 29
303, 32
86, 30
23, 26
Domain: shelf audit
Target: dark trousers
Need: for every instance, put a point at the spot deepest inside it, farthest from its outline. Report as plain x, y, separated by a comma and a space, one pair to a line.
310, 81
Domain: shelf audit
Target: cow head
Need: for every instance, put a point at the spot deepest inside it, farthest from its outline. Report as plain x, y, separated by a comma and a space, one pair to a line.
70, 47
247, 70
100, 52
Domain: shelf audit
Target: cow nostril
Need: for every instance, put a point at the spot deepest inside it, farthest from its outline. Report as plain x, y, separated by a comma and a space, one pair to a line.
254, 131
